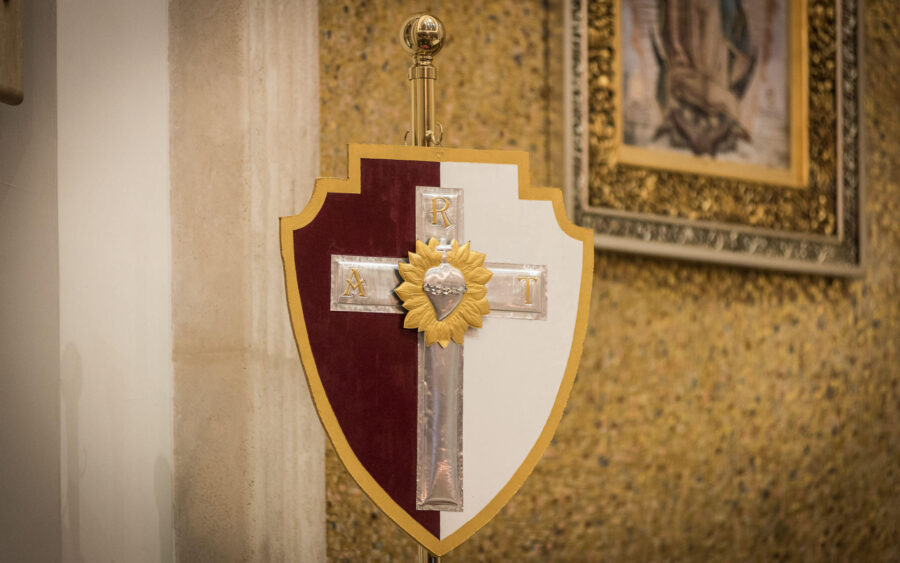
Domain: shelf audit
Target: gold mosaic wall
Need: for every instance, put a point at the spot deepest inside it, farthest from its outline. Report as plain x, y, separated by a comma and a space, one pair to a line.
719, 413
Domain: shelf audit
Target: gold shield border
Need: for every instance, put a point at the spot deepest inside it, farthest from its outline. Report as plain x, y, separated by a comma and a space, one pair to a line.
351, 185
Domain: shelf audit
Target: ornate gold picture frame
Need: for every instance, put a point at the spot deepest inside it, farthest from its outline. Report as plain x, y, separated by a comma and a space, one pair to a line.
655, 187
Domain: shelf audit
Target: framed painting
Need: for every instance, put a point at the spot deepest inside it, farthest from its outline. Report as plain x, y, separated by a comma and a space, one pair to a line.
718, 130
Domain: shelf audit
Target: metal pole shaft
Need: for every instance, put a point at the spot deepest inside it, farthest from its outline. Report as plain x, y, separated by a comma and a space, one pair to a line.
426, 556
421, 80
422, 36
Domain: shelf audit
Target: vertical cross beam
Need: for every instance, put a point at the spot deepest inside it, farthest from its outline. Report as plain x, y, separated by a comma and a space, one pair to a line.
439, 453
439, 458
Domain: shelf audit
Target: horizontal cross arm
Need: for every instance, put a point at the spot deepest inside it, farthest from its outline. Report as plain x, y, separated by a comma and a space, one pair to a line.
366, 284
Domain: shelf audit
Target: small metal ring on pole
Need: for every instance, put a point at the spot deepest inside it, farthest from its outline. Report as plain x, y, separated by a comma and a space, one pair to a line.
437, 142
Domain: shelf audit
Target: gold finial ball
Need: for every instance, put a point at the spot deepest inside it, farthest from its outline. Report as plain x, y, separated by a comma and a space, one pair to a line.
422, 35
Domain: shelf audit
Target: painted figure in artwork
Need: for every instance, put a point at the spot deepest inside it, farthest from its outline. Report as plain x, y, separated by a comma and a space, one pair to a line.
706, 60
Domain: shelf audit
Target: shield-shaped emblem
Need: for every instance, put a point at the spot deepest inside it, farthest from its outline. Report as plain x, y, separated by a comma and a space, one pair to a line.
439, 304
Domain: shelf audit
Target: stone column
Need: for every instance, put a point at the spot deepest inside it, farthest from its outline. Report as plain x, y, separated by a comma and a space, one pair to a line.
249, 473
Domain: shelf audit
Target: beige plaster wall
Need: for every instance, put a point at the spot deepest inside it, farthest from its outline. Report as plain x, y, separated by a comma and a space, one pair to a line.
115, 337
249, 474
720, 414
29, 305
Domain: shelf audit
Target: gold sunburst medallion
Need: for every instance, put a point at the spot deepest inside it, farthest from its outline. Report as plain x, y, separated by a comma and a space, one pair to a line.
444, 291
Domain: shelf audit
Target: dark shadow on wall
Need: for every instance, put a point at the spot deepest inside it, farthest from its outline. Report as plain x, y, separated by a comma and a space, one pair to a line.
162, 486
71, 378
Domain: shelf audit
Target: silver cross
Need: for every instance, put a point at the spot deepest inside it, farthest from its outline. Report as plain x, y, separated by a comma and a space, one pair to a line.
366, 284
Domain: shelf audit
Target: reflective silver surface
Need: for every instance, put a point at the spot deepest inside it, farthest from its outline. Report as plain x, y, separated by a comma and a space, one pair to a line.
370, 289
517, 291
445, 286
509, 295
439, 213
439, 470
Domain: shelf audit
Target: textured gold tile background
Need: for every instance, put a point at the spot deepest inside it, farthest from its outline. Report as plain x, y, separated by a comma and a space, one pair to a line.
719, 413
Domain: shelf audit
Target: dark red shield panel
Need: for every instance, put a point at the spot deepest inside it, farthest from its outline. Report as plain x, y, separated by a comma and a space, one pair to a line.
367, 361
